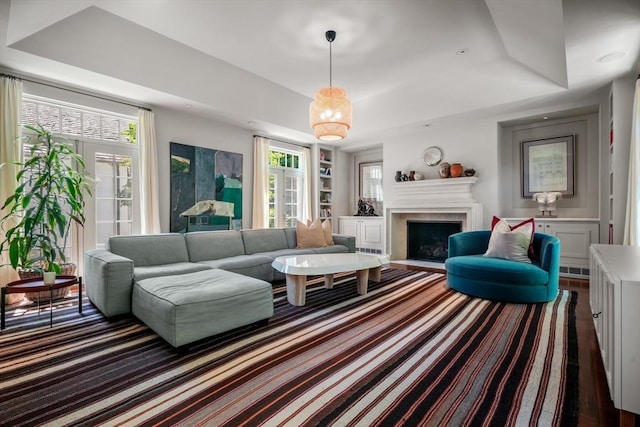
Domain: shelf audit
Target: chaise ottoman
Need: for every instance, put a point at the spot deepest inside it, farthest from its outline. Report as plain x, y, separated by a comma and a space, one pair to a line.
188, 307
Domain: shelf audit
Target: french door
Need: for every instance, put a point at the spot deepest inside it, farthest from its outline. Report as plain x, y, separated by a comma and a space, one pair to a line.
114, 207
285, 197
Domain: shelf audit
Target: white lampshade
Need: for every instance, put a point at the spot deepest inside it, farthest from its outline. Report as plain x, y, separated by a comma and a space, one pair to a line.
330, 114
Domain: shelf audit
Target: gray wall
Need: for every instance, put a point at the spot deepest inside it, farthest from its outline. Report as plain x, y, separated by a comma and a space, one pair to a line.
584, 204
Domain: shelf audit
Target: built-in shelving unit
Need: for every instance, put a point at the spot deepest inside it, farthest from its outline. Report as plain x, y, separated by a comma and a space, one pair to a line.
325, 184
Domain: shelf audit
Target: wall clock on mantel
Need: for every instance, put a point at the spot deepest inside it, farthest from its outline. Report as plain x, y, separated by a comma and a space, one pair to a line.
432, 156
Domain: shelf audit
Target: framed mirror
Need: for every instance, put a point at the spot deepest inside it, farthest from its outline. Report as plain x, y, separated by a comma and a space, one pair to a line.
432, 156
371, 185
371, 181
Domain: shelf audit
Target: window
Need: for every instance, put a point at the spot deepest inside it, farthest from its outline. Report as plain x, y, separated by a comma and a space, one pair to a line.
75, 121
286, 189
107, 142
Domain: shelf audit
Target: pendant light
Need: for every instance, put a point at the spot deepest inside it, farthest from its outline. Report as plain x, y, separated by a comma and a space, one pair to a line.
330, 112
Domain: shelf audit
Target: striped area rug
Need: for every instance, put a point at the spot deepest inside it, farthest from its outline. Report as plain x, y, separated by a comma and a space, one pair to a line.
410, 352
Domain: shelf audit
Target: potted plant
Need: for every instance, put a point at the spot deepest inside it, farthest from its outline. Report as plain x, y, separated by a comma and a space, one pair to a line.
49, 198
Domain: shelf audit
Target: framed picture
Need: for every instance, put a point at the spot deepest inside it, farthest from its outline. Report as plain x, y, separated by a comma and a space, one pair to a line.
548, 165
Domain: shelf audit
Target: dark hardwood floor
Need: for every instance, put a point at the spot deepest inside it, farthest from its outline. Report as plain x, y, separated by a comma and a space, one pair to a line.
596, 407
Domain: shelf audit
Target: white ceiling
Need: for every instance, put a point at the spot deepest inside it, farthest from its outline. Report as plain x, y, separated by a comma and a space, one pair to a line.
261, 61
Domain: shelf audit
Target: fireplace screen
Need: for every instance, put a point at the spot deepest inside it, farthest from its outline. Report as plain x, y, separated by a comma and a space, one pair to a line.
429, 240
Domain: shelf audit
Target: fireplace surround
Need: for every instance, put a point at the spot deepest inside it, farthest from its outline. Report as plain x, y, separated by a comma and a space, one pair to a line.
447, 200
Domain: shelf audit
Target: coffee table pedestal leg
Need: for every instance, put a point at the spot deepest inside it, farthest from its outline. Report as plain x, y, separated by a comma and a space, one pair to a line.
296, 289
374, 274
363, 281
328, 281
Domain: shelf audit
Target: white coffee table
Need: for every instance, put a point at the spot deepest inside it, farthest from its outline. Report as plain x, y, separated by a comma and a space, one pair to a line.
297, 267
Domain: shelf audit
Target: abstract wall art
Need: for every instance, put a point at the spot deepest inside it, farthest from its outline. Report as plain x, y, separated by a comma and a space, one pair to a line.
206, 189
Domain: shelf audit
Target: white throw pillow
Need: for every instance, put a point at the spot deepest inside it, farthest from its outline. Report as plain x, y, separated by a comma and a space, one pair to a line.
510, 244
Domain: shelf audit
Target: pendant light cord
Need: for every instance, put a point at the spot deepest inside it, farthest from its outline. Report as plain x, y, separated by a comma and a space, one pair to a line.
330, 65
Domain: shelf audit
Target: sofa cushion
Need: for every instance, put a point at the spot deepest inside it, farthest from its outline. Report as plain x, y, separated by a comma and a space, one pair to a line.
153, 249
333, 249
286, 252
212, 245
290, 234
310, 235
255, 265
190, 307
145, 272
263, 240
496, 270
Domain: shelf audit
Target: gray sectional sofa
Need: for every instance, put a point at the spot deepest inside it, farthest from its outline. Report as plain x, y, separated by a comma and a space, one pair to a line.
190, 286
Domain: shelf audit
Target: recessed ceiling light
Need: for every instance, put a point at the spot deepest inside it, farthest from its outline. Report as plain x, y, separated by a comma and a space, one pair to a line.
545, 118
427, 125
613, 56
463, 51
187, 105
251, 123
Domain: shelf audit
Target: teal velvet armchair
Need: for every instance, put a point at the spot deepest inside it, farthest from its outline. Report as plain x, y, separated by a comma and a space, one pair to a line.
469, 272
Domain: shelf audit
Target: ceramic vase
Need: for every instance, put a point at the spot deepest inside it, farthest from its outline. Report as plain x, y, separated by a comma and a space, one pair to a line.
398, 176
412, 175
456, 170
443, 169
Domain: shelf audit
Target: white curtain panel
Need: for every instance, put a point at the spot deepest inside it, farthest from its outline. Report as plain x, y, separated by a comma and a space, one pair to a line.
260, 182
149, 191
306, 206
10, 107
632, 221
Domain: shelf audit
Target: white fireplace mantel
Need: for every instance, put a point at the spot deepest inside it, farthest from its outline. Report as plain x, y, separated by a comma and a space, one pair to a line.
430, 191
433, 199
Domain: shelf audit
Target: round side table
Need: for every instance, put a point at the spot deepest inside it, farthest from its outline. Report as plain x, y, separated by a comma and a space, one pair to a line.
37, 285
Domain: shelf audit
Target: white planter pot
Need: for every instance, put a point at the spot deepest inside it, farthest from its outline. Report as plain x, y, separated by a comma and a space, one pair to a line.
49, 277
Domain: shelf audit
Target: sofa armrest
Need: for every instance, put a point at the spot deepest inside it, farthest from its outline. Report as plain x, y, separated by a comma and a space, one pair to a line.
109, 281
469, 243
345, 240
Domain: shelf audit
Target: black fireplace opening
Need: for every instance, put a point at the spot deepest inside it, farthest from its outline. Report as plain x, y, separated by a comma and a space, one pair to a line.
429, 240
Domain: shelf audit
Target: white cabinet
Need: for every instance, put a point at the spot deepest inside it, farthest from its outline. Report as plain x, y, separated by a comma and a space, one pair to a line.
368, 231
614, 297
576, 235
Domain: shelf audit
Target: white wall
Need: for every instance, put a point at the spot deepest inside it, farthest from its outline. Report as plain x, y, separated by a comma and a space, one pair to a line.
181, 127
471, 142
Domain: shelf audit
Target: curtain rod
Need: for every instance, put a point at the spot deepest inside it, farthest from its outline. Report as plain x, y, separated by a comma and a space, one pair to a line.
299, 144
74, 91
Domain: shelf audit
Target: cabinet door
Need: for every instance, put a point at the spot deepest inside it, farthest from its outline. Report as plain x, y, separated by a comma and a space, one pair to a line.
371, 234
575, 239
629, 347
349, 227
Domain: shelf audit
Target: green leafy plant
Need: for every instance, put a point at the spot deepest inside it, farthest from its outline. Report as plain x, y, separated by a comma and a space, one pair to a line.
50, 197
